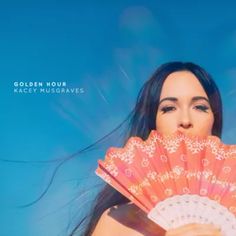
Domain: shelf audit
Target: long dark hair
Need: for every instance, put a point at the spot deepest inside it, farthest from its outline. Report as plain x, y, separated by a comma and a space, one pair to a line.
143, 120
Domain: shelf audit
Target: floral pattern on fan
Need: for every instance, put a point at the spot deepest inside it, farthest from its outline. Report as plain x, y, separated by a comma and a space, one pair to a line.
156, 170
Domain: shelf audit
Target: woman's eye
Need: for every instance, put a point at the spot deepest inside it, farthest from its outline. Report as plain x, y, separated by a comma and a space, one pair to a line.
167, 109
202, 107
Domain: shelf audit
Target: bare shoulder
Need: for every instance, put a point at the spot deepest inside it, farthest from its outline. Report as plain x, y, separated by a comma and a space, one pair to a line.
125, 219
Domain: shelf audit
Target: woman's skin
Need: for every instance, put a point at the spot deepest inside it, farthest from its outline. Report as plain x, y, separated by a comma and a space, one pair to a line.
183, 106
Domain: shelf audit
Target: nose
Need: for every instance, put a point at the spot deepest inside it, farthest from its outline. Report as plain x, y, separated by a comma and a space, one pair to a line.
186, 125
185, 121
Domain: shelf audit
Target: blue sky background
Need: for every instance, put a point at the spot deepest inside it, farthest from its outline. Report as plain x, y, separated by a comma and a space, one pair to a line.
108, 48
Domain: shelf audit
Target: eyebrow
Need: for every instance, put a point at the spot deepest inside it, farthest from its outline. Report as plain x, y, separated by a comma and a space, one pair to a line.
174, 99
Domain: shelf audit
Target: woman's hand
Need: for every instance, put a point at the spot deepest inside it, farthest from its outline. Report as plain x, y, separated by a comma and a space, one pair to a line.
195, 230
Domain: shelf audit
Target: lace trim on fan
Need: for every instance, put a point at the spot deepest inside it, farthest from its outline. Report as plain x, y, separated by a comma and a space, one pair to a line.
185, 209
171, 144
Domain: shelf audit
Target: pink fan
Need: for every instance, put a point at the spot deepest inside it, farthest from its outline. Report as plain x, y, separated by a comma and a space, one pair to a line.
176, 179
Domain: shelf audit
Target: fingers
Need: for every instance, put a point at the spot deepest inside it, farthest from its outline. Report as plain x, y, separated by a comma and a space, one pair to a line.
195, 230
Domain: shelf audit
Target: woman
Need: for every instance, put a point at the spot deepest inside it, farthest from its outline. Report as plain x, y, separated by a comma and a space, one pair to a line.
179, 96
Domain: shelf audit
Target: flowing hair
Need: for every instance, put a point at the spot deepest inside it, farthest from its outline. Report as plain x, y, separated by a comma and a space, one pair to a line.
141, 121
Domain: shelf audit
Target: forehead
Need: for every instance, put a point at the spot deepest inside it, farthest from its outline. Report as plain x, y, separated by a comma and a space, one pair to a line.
182, 84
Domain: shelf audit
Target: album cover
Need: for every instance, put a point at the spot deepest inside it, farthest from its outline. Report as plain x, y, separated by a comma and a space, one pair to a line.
71, 73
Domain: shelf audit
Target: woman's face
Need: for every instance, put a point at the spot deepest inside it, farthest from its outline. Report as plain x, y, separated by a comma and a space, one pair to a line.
184, 106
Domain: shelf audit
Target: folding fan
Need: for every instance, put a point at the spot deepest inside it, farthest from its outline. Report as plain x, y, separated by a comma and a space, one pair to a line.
176, 179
